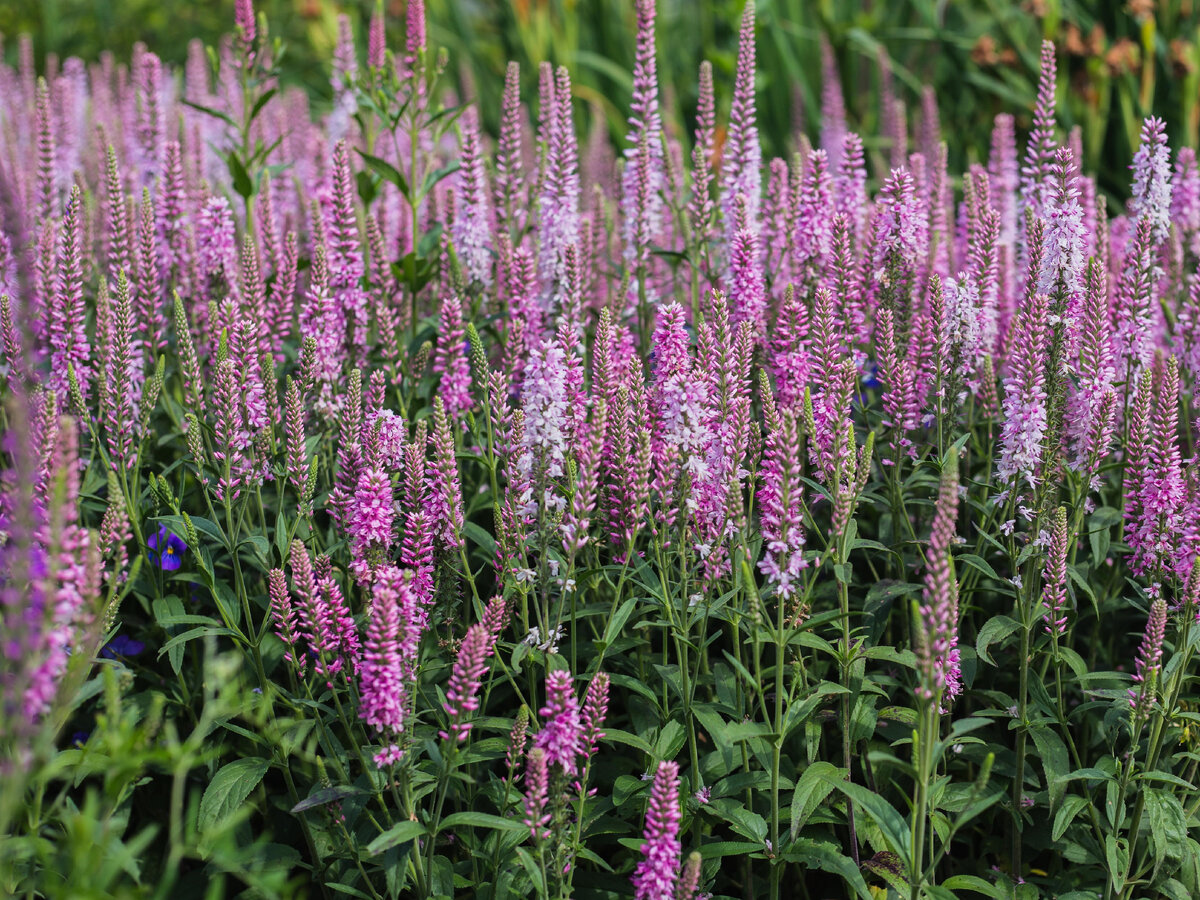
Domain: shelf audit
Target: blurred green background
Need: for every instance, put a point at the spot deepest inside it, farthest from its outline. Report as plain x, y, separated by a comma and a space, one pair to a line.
1118, 61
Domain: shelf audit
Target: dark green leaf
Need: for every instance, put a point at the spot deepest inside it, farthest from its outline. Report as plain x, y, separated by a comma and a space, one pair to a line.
228, 791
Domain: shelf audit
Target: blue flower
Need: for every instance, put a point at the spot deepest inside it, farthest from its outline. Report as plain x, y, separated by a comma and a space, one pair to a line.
166, 549
79, 738
870, 377
122, 645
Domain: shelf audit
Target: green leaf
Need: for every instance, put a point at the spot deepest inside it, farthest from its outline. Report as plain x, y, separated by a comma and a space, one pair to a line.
1054, 761
472, 819
974, 883
718, 849
615, 735
811, 791
432, 178
192, 633
1168, 824
670, 739
617, 622
168, 612
1066, 814
400, 833
482, 539
890, 822
995, 629
229, 789
827, 857
261, 546
1117, 853
261, 102
347, 890
978, 562
386, 171
327, 795
241, 178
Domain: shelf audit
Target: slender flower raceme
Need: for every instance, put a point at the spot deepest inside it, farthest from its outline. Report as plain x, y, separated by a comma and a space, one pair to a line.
450, 361
595, 708
509, 183
462, 694
1054, 577
1148, 665
371, 520
447, 486
1065, 239
779, 498
284, 616
558, 205
833, 107
562, 737
1152, 179
656, 875
741, 166
473, 218
537, 794
381, 670
1039, 154
937, 636
644, 178
68, 321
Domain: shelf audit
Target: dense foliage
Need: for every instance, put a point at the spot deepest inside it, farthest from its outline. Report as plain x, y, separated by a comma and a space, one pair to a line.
386, 513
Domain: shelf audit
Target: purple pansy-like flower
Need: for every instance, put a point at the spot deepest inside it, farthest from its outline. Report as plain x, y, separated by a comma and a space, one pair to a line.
166, 549
121, 646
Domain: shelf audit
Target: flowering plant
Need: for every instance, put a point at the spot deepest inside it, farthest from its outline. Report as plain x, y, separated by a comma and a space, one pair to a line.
403, 515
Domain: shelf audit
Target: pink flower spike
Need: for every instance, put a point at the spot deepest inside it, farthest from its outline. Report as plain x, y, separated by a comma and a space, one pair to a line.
657, 874
562, 736
462, 693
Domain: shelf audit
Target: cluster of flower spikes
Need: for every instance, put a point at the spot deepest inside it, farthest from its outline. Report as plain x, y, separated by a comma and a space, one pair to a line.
1019, 284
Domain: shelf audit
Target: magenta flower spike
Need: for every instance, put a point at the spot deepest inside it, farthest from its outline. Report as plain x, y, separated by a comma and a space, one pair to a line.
371, 521
1185, 198
562, 735
780, 500
813, 237
244, 22
937, 639
1148, 664
1039, 153
644, 178
345, 254
595, 708
701, 205
462, 693
473, 220
450, 360
377, 39
741, 165
315, 619
414, 32
1066, 237
1054, 577
657, 874
1152, 179
833, 107
558, 201
284, 616
446, 488
537, 794
509, 183
747, 290
67, 336
382, 673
